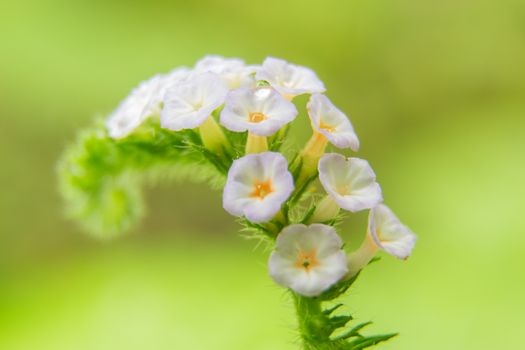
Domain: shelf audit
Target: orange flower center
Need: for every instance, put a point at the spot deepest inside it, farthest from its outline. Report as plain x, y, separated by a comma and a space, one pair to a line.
306, 260
256, 117
261, 189
327, 127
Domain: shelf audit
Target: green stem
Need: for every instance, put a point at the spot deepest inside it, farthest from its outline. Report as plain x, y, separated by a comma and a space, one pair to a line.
321, 330
310, 321
316, 325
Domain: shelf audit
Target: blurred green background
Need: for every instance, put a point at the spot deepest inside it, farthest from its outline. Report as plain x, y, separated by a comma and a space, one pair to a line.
435, 90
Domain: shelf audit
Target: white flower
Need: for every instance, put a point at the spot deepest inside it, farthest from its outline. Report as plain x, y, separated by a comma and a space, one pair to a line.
135, 108
386, 232
189, 103
308, 259
331, 122
233, 70
257, 186
174, 77
351, 182
389, 233
166, 81
262, 111
289, 79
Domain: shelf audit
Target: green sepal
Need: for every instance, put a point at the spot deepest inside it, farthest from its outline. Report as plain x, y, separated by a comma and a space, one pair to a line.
262, 83
259, 231
276, 141
337, 289
309, 213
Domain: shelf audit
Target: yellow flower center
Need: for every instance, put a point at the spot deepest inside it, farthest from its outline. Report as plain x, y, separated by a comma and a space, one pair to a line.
256, 117
327, 127
306, 260
261, 189
197, 105
344, 190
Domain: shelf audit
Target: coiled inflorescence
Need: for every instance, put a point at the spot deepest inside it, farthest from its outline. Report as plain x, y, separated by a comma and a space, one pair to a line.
225, 122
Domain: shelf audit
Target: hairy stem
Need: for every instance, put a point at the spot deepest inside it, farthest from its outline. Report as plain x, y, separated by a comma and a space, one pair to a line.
311, 321
100, 177
317, 325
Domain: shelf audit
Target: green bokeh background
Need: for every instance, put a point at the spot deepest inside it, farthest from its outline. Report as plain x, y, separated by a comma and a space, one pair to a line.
435, 90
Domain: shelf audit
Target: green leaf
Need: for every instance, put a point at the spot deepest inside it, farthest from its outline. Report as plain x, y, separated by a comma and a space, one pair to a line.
329, 311
354, 332
339, 321
367, 342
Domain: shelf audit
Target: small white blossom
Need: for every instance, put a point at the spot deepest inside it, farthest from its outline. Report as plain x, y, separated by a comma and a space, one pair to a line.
135, 108
233, 70
308, 259
167, 81
262, 111
174, 77
385, 232
257, 186
289, 79
389, 233
328, 120
144, 101
351, 182
189, 103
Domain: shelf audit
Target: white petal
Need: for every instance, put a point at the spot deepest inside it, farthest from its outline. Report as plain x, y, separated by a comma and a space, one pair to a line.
265, 101
189, 103
245, 173
167, 81
389, 233
289, 79
320, 240
135, 108
218, 64
321, 237
175, 76
233, 70
331, 122
350, 181
282, 270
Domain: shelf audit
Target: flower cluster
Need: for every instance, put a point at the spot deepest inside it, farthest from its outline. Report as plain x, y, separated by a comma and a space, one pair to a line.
230, 122
221, 94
